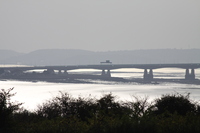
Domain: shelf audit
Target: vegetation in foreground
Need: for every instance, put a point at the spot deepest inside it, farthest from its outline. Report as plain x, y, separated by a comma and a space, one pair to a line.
174, 113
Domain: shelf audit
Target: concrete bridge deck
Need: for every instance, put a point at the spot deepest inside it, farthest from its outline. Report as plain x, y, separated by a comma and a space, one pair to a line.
109, 66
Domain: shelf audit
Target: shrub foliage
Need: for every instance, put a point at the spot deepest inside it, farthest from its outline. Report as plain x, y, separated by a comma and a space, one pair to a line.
172, 113
175, 103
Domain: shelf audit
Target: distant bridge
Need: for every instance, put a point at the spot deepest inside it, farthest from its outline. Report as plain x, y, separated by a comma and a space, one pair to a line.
148, 68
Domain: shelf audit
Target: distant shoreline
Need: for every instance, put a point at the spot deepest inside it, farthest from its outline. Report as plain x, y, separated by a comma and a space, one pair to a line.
92, 79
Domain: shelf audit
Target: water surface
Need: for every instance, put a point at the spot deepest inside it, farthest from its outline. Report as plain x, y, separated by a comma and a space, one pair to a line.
35, 93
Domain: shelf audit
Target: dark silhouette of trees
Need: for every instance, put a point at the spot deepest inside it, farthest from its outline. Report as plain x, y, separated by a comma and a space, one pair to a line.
175, 103
174, 113
7, 108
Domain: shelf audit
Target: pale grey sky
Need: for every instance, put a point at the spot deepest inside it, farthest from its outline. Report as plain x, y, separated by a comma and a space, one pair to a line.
99, 25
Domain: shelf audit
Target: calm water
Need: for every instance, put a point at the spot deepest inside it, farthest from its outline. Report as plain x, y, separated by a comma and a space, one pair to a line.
33, 94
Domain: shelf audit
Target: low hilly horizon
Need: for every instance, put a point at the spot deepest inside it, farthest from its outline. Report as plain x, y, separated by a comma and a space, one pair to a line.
50, 57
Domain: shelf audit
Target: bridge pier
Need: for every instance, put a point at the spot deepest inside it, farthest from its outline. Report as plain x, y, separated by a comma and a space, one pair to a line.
62, 71
65, 72
148, 76
49, 71
188, 75
103, 72
59, 71
106, 74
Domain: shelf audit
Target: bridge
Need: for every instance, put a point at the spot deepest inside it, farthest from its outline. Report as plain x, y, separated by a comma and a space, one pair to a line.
108, 66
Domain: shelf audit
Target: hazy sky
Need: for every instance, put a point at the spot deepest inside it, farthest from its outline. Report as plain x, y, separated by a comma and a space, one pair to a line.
99, 25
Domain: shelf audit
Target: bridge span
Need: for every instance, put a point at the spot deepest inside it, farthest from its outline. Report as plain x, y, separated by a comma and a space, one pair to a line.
106, 68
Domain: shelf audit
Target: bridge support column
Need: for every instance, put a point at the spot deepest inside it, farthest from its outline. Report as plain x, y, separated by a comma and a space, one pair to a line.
106, 74
148, 76
59, 71
188, 75
145, 74
65, 72
193, 74
103, 73
49, 71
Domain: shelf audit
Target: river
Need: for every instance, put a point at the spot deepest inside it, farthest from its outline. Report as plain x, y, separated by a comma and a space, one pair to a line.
34, 93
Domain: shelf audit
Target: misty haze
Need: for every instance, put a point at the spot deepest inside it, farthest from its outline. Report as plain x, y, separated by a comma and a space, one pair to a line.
89, 66
83, 57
